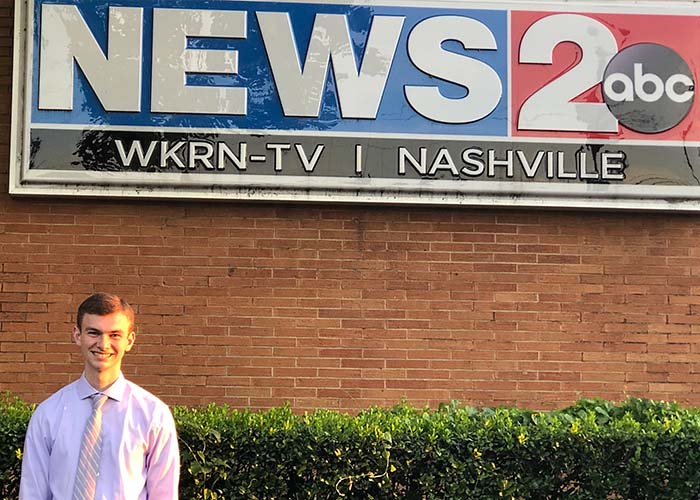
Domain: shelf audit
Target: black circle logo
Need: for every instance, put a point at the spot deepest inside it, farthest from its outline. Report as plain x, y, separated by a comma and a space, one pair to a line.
648, 87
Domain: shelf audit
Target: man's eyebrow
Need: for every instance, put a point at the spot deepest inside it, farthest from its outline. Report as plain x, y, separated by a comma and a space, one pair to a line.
97, 330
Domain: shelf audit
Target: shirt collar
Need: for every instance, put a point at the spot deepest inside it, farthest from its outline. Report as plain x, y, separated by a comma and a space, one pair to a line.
114, 391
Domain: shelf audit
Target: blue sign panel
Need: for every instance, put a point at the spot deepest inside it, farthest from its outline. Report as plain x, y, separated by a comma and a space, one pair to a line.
298, 66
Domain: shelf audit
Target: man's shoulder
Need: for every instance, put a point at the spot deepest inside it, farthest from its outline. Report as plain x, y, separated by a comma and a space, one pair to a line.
149, 402
136, 391
56, 401
60, 395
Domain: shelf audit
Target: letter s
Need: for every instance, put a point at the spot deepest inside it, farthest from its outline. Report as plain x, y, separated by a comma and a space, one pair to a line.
484, 88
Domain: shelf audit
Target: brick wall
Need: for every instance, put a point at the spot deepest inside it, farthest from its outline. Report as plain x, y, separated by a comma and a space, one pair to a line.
348, 306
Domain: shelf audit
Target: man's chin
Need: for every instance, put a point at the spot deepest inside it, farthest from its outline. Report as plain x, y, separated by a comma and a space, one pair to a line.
101, 364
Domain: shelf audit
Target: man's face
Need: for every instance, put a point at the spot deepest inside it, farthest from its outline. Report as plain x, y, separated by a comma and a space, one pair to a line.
103, 340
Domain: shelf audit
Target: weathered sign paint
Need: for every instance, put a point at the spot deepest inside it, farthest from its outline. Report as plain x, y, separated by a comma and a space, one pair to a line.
450, 102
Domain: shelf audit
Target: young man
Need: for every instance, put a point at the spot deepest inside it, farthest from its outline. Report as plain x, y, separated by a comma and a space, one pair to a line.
101, 437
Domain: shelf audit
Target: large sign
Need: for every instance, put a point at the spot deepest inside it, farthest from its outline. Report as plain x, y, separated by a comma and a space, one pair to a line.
451, 102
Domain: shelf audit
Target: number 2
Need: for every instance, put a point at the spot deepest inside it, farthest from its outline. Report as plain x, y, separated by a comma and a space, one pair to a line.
550, 108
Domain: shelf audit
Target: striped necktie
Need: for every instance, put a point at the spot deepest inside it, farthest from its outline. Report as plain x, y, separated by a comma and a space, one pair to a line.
89, 461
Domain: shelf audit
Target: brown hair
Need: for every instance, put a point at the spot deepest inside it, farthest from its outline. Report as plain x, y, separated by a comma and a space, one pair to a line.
103, 304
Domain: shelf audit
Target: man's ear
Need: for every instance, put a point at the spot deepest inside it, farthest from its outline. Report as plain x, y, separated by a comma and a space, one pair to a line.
76, 334
131, 338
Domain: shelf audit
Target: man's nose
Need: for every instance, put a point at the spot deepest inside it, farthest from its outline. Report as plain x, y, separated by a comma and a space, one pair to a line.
102, 341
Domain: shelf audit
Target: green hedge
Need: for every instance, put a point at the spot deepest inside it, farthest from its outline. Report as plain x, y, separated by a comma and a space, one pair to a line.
14, 417
595, 450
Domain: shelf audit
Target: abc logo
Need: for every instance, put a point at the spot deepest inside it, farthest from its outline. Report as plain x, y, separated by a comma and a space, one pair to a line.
648, 87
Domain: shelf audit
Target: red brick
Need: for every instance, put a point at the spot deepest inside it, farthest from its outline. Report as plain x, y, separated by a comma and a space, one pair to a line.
345, 306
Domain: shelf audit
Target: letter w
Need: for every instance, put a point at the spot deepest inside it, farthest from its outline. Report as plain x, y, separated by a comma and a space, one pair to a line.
301, 92
136, 147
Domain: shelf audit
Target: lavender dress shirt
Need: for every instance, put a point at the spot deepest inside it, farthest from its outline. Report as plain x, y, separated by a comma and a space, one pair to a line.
140, 457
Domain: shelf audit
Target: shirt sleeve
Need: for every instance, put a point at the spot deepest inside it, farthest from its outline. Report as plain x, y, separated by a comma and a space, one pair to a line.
163, 461
34, 482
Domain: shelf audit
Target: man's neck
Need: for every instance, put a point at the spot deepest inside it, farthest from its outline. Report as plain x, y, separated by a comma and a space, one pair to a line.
102, 380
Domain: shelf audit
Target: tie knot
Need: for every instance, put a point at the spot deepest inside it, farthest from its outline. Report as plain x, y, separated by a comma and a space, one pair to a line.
98, 400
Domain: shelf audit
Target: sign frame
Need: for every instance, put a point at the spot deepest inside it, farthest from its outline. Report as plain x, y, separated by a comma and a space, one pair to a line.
353, 188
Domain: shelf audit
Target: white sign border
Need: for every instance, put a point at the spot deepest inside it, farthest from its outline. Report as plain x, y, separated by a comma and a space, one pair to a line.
23, 182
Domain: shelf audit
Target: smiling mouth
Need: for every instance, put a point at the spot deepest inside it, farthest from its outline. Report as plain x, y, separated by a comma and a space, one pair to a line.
101, 355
